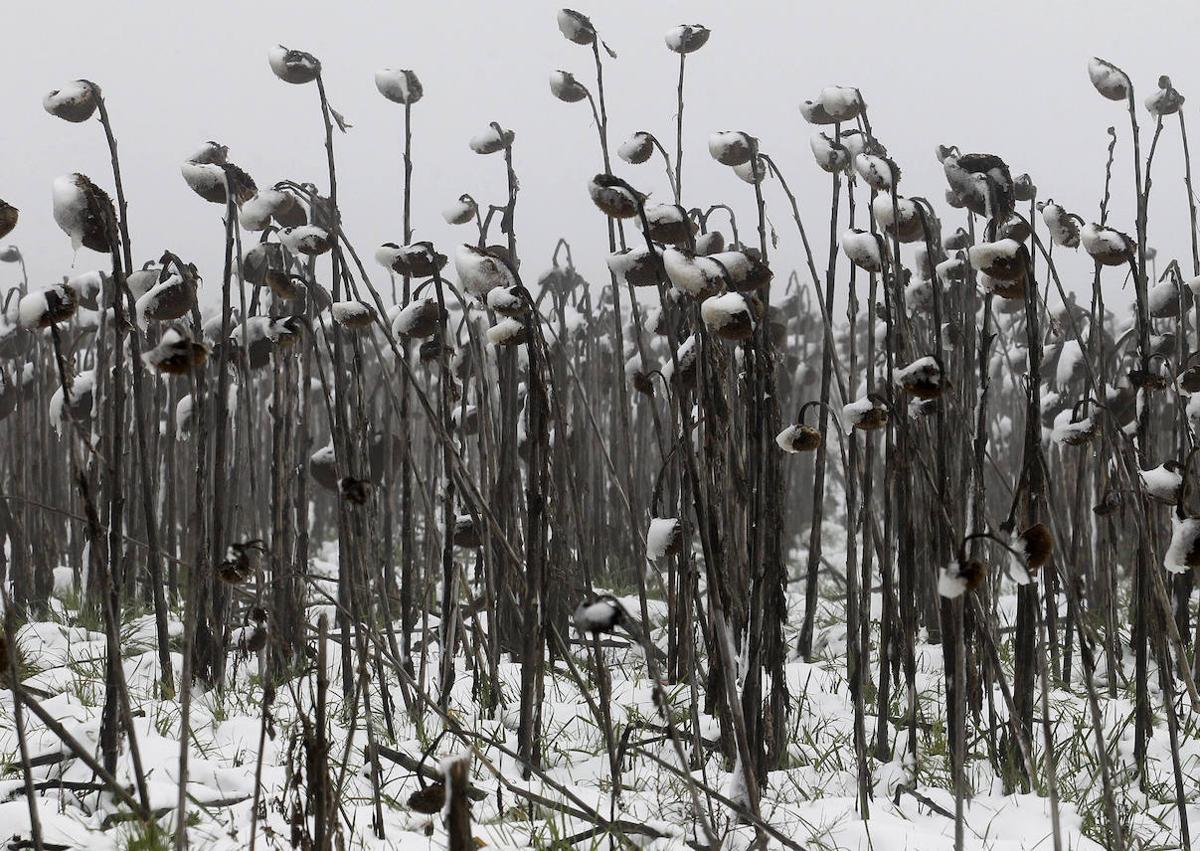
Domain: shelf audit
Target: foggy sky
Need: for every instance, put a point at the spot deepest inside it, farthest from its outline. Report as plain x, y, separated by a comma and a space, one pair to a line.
1009, 79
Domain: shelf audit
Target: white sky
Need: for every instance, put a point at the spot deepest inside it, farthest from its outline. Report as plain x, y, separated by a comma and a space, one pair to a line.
1006, 78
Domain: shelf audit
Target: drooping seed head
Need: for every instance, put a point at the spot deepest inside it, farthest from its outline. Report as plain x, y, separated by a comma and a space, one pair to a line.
84, 212
8, 218
461, 211
75, 102
637, 148
686, 38
293, 66
613, 198
576, 27
566, 88
730, 147
492, 140
841, 103
399, 85
1108, 79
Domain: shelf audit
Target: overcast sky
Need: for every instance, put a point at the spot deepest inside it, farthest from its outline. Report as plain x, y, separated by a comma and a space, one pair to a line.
1005, 78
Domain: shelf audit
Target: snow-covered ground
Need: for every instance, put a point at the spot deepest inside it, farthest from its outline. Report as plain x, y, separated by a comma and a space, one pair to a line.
813, 801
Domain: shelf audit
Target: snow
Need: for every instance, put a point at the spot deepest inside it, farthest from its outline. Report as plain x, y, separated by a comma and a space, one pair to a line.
951, 582
841, 103
686, 38
600, 615
696, 276
863, 250
637, 148
31, 308
994, 257
660, 535
635, 266
491, 140
399, 85
353, 314
505, 300
70, 207
1185, 535
730, 147
887, 214
1108, 79
255, 214
875, 170
1063, 229
305, 239
479, 272
1103, 242
80, 389
460, 212
416, 311
854, 412
723, 310
506, 332
75, 101
1072, 433
1162, 482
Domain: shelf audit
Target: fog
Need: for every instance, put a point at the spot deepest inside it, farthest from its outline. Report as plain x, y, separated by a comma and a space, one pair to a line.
1008, 79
